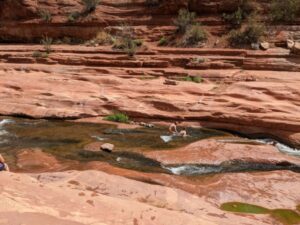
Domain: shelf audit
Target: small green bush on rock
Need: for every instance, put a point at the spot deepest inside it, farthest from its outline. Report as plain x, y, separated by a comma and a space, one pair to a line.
252, 33
194, 35
184, 20
163, 41
90, 5
284, 10
47, 42
118, 117
45, 15
195, 79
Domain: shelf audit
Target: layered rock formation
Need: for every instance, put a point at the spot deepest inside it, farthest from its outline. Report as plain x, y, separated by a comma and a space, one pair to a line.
96, 198
252, 92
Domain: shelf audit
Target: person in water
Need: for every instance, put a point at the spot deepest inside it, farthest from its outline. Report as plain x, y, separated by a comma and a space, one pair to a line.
3, 165
173, 128
183, 133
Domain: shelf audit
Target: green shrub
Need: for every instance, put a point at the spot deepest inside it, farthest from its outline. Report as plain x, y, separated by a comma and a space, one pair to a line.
130, 46
38, 54
284, 10
126, 41
236, 18
244, 9
73, 16
118, 117
47, 42
194, 35
152, 3
195, 79
198, 60
45, 15
252, 33
90, 5
163, 41
184, 20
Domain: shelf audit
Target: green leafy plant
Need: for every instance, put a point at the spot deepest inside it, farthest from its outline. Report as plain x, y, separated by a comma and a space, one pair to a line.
252, 33
73, 16
118, 117
163, 41
130, 47
126, 41
90, 5
184, 20
236, 18
243, 10
45, 15
47, 42
284, 10
38, 54
195, 79
194, 35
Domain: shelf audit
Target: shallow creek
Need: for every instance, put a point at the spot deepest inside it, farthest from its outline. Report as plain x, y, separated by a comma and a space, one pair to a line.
66, 141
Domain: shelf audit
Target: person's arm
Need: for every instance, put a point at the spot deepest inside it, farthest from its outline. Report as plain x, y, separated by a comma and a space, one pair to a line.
6, 167
1, 159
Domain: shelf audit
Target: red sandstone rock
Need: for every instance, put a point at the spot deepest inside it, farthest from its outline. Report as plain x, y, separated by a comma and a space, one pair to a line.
216, 151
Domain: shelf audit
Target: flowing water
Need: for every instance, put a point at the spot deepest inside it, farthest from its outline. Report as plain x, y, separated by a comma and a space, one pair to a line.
67, 140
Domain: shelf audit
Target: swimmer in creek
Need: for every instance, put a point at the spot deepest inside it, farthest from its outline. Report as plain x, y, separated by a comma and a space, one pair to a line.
3, 165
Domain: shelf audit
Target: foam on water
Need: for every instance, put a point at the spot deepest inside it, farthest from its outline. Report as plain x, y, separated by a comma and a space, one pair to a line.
166, 138
281, 147
192, 169
6, 121
98, 138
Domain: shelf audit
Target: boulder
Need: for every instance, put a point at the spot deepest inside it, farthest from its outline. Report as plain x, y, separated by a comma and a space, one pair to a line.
290, 44
264, 45
296, 48
107, 147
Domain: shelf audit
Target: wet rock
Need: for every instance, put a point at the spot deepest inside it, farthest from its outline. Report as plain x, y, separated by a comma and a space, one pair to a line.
93, 147
290, 43
107, 147
296, 48
215, 152
170, 82
264, 45
34, 159
255, 46
148, 125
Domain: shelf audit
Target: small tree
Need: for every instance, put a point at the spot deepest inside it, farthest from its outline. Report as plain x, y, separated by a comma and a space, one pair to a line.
126, 40
47, 42
194, 35
45, 15
284, 10
184, 20
252, 33
90, 5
